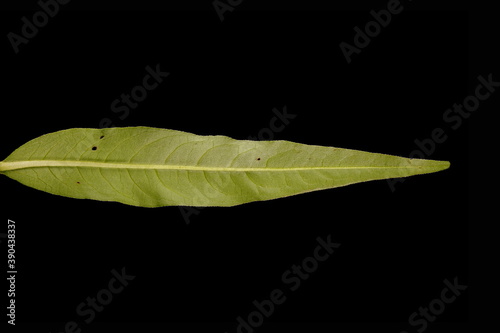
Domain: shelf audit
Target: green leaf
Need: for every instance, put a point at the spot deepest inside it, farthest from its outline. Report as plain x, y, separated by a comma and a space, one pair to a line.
153, 167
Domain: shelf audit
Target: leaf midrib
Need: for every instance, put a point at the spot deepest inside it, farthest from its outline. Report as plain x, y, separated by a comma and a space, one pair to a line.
15, 165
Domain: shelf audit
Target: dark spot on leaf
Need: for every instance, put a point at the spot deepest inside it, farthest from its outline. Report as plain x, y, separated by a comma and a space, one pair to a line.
258, 159
78, 182
102, 137
94, 148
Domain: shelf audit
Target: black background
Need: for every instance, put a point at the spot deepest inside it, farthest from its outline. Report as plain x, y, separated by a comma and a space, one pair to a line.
225, 78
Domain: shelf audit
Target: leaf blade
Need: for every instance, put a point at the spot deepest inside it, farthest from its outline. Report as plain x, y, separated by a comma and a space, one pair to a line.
152, 167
